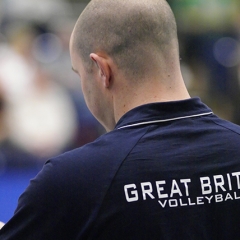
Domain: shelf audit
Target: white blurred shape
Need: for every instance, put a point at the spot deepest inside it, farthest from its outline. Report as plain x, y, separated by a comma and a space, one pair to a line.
40, 115
35, 9
1, 224
15, 74
43, 123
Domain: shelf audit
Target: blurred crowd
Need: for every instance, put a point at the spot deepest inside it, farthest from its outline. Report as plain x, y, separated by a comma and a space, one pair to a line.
42, 111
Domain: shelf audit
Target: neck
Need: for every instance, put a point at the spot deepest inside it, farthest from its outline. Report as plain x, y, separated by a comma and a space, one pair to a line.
149, 91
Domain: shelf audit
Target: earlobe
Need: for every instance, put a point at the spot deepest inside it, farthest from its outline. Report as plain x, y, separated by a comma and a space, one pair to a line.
103, 68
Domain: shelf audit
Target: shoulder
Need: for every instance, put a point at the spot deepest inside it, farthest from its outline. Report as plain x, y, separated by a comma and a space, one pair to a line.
69, 190
107, 149
89, 167
226, 125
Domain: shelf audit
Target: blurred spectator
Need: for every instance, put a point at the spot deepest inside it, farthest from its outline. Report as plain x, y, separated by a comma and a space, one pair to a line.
44, 116
42, 111
39, 114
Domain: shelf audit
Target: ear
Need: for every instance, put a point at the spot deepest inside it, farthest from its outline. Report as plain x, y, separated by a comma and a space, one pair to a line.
104, 69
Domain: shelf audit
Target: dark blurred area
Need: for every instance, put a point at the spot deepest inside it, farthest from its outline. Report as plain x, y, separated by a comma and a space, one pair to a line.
209, 35
42, 111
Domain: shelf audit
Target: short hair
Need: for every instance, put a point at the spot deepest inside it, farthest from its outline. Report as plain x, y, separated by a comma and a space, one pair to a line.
130, 31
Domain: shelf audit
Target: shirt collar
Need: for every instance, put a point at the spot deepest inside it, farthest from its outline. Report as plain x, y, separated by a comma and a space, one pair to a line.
163, 112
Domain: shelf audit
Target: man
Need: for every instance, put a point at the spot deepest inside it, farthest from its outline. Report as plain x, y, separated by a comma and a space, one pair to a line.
168, 168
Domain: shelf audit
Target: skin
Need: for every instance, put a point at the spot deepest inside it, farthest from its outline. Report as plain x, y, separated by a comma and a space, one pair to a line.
109, 87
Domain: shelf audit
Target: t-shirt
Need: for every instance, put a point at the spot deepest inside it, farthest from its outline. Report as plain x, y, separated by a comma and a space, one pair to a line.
168, 170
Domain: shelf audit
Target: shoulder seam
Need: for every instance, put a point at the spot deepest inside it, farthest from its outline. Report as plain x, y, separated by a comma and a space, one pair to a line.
116, 174
221, 125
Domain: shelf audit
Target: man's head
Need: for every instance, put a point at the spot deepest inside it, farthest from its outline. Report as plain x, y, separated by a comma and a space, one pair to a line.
130, 31
131, 40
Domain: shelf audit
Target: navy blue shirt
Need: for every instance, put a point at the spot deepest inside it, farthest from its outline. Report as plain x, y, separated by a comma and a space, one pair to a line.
168, 170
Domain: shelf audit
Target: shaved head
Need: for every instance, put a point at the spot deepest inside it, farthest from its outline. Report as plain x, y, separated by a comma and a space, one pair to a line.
126, 54
136, 34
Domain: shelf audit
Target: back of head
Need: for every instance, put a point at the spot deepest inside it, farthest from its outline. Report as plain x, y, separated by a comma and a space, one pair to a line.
135, 33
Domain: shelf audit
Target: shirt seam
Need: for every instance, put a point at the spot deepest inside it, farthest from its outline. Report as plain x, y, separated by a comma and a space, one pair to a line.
229, 129
100, 207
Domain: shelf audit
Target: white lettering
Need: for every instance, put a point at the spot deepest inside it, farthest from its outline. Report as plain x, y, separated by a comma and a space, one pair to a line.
212, 188
175, 189
147, 191
236, 174
206, 186
181, 203
228, 196
200, 200
163, 204
219, 182
190, 203
160, 189
134, 193
229, 182
209, 198
235, 196
219, 198
186, 181
173, 203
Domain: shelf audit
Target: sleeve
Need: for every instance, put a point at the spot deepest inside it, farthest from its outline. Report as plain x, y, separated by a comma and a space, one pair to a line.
42, 211
63, 201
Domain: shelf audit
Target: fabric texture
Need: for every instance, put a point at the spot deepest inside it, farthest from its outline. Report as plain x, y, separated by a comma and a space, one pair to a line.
167, 171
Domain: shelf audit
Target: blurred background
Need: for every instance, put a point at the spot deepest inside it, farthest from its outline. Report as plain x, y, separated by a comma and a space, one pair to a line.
42, 111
